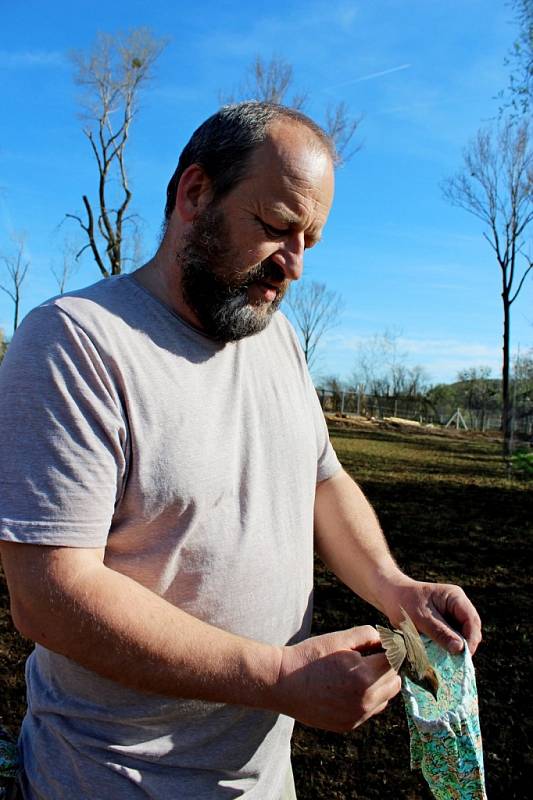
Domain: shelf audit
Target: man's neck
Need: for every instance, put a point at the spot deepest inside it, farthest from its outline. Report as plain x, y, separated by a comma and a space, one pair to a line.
162, 279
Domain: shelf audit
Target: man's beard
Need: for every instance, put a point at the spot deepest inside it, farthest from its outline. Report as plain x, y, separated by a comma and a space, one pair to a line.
215, 289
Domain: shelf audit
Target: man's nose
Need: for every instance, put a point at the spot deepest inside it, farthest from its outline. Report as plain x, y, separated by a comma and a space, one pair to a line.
290, 256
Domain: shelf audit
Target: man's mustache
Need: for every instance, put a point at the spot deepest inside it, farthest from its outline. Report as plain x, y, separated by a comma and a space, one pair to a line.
268, 272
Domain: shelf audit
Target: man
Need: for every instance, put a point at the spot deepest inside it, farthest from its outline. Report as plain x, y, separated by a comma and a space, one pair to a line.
167, 464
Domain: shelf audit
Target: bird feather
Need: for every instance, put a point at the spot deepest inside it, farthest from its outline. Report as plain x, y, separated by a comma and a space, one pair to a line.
406, 653
394, 644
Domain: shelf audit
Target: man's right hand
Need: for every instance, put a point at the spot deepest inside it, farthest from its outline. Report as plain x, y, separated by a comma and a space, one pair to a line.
69, 601
328, 682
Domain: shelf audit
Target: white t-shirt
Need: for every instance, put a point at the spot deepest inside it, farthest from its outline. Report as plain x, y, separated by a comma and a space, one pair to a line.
195, 465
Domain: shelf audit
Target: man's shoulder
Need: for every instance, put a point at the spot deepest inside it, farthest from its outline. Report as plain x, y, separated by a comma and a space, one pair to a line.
93, 312
105, 294
282, 328
100, 304
279, 344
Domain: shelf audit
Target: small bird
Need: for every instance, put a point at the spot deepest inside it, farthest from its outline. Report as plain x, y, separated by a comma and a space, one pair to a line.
406, 654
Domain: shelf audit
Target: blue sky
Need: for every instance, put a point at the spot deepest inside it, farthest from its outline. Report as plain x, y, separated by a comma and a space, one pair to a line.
422, 73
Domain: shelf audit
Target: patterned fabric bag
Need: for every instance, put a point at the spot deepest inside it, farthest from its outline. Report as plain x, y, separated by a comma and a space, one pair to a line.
445, 735
9, 766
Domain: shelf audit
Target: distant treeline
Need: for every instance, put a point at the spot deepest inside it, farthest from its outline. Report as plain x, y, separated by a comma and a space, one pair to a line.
477, 397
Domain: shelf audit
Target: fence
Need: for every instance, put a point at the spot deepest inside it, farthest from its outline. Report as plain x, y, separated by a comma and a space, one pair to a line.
421, 409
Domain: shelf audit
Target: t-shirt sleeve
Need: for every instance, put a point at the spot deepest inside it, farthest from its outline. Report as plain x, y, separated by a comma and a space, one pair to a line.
63, 435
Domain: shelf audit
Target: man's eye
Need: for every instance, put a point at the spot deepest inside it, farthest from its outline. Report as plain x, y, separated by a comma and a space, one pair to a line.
274, 233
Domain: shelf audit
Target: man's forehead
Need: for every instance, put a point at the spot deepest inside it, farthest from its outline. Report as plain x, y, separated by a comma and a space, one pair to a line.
289, 145
292, 163
308, 215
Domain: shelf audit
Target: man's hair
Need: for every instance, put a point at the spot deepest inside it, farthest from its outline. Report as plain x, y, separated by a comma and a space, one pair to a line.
224, 143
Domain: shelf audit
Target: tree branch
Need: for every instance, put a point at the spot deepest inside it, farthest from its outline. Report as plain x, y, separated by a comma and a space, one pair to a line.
112, 74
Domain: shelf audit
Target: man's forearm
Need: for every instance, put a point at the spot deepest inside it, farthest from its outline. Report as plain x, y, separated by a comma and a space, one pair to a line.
349, 539
117, 628
70, 602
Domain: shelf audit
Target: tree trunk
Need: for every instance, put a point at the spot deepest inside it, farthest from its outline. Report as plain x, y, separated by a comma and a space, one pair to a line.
16, 316
506, 400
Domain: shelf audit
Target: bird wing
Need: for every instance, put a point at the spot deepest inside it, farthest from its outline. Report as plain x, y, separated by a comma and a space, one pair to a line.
394, 644
416, 652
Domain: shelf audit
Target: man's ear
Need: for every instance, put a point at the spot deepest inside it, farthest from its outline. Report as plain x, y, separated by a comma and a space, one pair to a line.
194, 194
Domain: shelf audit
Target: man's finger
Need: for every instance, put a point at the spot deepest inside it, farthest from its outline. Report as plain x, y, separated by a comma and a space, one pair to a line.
472, 634
379, 664
466, 623
365, 638
385, 683
443, 634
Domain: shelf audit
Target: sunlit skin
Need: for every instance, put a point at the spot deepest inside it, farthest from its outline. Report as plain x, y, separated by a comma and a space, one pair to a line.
275, 213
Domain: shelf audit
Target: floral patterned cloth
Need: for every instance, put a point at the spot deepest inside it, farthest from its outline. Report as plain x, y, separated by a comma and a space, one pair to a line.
9, 765
445, 735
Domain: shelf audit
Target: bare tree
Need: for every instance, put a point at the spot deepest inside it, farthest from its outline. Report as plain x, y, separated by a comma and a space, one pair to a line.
522, 377
67, 266
477, 394
416, 382
518, 99
270, 82
314, 310
381, 373
380, 365
523, 370
17, 266
341, 127
113, 74
496, 186
331, 390
3, 345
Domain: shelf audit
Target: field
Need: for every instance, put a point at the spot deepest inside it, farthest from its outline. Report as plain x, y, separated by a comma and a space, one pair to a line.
450, 513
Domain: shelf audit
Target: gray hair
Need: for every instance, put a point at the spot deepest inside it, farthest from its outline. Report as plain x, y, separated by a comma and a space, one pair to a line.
223, 144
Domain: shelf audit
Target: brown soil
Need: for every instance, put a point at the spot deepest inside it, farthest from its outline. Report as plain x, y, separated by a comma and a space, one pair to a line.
450, 514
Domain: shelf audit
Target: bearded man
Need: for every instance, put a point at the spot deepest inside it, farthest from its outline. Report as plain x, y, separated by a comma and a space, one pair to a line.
167, 476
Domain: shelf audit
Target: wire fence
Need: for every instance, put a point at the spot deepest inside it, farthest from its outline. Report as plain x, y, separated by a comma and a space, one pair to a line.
421, 409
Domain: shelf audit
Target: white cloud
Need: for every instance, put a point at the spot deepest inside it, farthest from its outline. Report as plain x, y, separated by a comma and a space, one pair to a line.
371, 76
174, 94
345, 15
435, 346
270, 29
443, 358
450, 347
21, 59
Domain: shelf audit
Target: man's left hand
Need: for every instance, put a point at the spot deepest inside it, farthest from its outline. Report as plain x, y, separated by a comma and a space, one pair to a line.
440, 610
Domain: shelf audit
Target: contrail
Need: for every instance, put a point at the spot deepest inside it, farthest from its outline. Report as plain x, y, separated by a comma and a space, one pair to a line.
369, 77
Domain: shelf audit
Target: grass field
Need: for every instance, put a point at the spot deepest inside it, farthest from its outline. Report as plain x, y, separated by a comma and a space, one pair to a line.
450, 513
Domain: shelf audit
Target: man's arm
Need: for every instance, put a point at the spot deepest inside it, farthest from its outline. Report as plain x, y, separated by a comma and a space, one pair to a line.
68, 600
350, 541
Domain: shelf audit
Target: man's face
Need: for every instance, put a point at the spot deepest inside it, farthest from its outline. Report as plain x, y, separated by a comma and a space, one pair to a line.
241, 254
217, 289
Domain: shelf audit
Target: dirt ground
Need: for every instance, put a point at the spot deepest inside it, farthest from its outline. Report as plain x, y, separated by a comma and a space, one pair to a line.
451, 513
